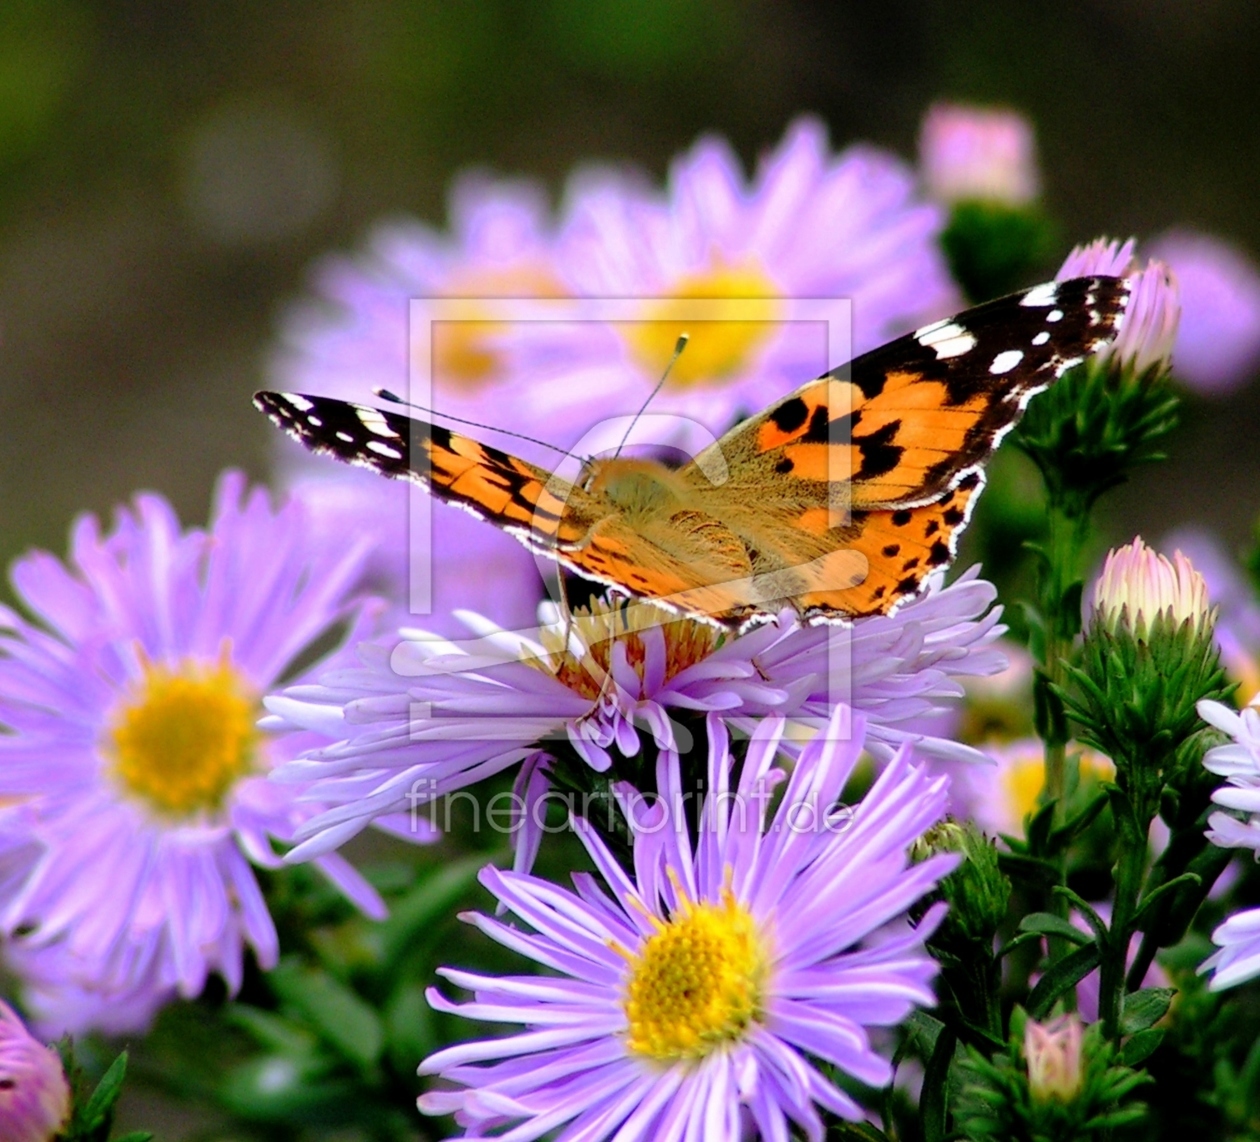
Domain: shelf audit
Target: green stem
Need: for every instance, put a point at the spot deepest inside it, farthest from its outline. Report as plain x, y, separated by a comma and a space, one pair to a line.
1133, 825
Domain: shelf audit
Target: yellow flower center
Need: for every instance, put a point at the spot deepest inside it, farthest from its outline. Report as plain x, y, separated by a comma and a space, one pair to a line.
466, 353
719, 348
1024, 777
184, 738
583, 664
697, 983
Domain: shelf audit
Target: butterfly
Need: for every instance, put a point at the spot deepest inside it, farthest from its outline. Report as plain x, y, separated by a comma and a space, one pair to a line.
839, 500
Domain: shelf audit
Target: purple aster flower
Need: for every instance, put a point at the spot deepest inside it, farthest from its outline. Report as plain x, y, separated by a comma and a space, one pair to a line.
1238, 761
983, 153
34, 1093
132, 758
699, 997
1149, 332
1218, 343
810, 225
433, 716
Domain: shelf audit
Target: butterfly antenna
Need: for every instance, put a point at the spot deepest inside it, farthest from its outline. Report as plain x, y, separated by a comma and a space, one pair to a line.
679, 346
394, 398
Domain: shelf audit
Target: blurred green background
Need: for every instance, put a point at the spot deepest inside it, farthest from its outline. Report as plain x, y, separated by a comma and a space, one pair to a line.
168, 172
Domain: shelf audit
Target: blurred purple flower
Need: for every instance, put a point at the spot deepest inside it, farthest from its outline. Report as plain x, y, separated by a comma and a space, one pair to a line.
984, 153
435, 716
1218, 345
696, 999
132, 761
34, 1093
811, 224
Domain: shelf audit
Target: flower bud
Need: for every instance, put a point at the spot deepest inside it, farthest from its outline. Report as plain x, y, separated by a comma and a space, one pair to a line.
1147, 659
1138, 586
979, 154
977, 891
1053, 1051
34, 1094
1146, 338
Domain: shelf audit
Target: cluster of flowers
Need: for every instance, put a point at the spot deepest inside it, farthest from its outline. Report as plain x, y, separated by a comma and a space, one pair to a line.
716, 980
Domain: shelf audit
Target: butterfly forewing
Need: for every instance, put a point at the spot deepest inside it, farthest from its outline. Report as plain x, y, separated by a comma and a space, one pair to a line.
905, 422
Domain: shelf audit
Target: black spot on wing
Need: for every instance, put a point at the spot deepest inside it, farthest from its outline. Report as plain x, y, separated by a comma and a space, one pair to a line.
879, 454
953, 516
784, 465
790, 415
900, 518
939, 555
892, 550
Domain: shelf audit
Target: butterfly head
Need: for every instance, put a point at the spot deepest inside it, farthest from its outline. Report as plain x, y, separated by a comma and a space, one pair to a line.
636, 486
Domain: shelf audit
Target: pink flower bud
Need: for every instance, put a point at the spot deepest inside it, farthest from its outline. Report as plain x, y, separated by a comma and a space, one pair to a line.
34, 1094
978, 153
1143, 584
1053, 1051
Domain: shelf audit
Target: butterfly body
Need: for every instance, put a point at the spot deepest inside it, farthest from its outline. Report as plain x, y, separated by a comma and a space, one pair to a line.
838, 500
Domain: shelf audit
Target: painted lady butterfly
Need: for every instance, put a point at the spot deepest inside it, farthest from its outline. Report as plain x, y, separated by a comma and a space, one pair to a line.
839, 500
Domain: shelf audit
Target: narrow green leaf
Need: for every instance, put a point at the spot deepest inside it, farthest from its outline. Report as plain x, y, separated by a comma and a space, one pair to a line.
334, 1011
1061, 975
1145, 1008
1186, 879
1048, 924
101, 1105
934, 1097
434, 896
1141, 1046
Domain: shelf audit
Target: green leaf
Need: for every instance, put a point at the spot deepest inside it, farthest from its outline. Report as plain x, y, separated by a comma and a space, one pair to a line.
1039, 829
1141, 1046
100, 1106
1060, 976
1061, 837
135, 1136
933, 1099
334, 1011
1145, 1008
1048, 924
432, 898
272, 1031
1186, 879
1096, 922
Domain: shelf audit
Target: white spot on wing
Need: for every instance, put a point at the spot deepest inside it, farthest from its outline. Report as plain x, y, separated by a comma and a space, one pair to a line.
1041, 338
298, 401
1005, 362
955, 346
1044, 294
374, 422
946, 338
384, 450
1055, 315
314, 420
346, 437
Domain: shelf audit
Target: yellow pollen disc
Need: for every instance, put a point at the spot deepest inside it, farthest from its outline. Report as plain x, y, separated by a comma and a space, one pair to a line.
719, 348
600, 626
1025, 777
697, 982
465, 352
184, 737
